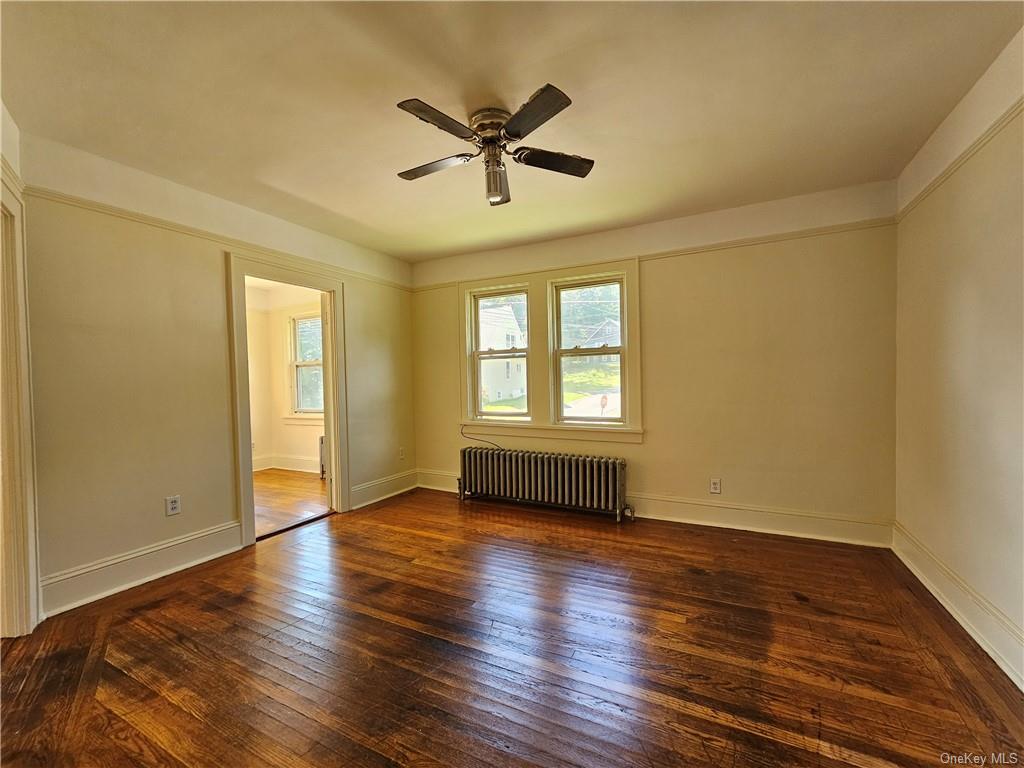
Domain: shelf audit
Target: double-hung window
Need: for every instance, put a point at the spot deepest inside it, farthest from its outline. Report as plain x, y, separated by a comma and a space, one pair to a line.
577, 372
499, 354
307, 365
589, 351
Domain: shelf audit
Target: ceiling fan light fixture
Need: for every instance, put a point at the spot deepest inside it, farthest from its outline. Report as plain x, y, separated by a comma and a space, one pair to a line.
493, 177
491, 130
492, 173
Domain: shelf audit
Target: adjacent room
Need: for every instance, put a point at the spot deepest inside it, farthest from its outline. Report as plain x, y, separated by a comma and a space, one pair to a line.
469, 384
286, 403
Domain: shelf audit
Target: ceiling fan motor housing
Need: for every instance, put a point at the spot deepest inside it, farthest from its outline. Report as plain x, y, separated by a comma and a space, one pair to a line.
488, 123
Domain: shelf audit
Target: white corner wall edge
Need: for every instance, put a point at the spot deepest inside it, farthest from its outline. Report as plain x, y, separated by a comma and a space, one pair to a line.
992, 96
10, 141
74, 587
847, 205
993, 630
53, 166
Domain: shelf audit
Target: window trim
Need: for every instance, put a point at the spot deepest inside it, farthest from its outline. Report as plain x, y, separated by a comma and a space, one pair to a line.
560, 352
295, 364
544, 405
477, 355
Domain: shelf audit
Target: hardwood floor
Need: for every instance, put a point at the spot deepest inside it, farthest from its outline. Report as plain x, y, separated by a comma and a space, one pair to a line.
421, 632
285, 498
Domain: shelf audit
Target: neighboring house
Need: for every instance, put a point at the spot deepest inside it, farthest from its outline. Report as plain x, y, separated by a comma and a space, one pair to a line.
606, 333
501, 379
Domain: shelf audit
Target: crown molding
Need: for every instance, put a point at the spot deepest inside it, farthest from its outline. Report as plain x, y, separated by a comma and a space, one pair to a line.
975, 146
799, 234
242, 247
11, 177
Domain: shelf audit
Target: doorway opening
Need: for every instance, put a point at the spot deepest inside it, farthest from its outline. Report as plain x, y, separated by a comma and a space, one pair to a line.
289, 442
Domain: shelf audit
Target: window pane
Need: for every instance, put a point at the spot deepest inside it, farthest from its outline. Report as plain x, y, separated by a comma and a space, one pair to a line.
308, 345
591, 387
309, 387
590, 316
502, 386
501, 321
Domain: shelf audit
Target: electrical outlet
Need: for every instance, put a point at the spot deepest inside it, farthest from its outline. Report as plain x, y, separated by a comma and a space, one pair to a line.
715, 486
401, 454
172, 505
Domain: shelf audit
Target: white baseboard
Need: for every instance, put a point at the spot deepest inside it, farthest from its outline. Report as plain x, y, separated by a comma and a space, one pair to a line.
747, 517
294, 463
373, 491
993, 630
438, 480
789, 522
262, 462
68, 589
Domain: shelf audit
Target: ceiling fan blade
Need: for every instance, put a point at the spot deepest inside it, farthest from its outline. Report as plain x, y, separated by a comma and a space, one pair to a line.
434, 167
428, 114
574, 165
505, 196
541, 107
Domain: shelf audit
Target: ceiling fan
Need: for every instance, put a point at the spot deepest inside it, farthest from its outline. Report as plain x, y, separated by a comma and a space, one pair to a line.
492, 131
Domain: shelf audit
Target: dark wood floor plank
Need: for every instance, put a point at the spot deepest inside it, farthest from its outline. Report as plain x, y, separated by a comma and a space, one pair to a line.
421, 631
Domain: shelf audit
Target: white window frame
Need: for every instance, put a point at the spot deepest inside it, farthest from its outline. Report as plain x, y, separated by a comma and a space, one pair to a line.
508, 354
560, 353
544, 400
296, 364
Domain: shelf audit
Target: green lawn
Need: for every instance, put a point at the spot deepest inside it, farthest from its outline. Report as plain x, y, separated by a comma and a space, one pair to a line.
509, 404
576, 384
593, 381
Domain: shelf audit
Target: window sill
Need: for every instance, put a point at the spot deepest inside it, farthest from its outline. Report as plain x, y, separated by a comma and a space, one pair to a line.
597, 433
303, 418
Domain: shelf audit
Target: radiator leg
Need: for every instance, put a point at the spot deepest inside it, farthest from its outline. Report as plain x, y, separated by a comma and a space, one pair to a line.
631, 513
618, 515
462, 491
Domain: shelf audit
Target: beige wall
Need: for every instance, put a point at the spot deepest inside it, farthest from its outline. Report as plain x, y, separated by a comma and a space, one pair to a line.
132, 388
771, 366
131, 383
960, 517
261, 396
378, 337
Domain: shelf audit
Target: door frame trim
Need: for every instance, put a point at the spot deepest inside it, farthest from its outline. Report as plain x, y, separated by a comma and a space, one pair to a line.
19, 556
308, 275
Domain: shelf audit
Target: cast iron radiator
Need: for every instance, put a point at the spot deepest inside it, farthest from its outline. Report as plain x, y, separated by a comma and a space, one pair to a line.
593, 483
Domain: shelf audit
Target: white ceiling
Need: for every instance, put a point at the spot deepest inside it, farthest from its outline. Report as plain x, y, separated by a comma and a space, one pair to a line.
289, 108
268, 294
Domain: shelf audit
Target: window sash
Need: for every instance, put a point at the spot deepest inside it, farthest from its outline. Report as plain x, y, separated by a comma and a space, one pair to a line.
296, 367
575, 284
297, 364
507, 356
561, 353
476, 321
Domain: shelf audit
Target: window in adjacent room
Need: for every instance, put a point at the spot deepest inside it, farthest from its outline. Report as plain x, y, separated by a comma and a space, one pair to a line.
499, 340
589, 351
307, 365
